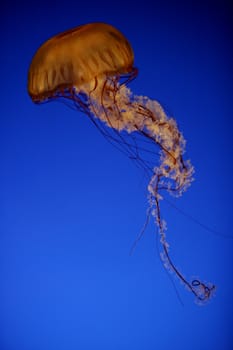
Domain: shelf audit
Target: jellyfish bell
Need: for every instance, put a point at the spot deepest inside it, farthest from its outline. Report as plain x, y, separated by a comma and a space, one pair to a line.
77, 58
90, 67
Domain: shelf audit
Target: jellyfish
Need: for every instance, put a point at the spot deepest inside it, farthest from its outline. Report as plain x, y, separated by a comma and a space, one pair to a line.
90, 67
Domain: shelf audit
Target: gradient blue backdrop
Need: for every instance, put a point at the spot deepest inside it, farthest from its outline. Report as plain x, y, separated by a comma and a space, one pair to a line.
72, 205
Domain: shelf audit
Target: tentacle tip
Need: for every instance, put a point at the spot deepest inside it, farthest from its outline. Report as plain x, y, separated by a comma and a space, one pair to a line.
203, 291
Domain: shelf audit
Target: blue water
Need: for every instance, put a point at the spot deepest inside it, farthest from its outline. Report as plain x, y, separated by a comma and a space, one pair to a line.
71, 205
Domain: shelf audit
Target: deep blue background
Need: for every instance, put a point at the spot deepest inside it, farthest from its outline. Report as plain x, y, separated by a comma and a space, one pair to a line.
71, 205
